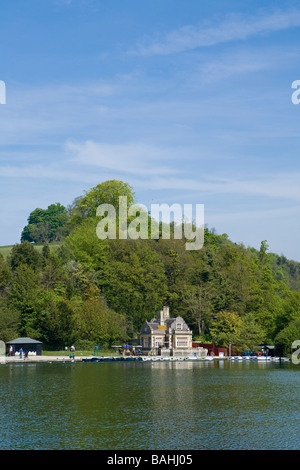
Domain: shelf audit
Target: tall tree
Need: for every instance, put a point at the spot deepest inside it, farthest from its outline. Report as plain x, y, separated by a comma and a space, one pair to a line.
225, 328
104, 193
198, 302
24, 254
46, 225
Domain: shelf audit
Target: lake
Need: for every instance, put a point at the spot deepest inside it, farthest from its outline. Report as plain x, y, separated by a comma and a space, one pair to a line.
215, 405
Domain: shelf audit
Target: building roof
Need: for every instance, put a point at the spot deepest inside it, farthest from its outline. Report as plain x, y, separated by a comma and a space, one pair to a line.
24, 340
156, 326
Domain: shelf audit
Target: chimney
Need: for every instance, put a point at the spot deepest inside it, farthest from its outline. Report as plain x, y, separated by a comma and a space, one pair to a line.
163, 315
166, 312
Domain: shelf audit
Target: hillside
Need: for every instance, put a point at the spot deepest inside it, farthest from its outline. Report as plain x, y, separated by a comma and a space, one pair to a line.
87, 290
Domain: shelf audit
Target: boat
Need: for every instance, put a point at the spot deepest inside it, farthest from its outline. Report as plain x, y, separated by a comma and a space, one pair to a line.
91, 359
133, 358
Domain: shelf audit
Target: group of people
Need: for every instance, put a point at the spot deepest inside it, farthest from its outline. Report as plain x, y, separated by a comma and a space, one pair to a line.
127, 352
17, 353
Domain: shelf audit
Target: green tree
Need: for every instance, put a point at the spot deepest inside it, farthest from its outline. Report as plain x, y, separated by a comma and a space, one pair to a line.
24, 254
56, 318
104, 193
286, 337
46, 225
134, 283
9, 322
23, 298
225, 328
97, 323
5, 275
250, 334
263, 256
198, 301
85, 247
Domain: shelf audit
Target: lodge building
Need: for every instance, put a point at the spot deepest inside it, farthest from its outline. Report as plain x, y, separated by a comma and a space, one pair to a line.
167, 336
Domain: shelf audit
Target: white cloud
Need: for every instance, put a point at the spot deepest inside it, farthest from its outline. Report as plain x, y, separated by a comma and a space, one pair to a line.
39, 172
281, 185
133, 158
234, 27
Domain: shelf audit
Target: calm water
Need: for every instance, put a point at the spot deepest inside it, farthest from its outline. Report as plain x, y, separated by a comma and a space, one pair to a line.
149, 406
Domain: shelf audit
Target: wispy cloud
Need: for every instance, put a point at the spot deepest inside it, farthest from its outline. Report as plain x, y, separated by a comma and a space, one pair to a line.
234, 27
155, 169
129, 158
280, 185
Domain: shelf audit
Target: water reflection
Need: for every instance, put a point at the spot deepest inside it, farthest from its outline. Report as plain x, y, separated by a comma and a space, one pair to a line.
150, 405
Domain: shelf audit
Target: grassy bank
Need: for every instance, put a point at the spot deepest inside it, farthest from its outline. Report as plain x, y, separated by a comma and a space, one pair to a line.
88, 352
5, 250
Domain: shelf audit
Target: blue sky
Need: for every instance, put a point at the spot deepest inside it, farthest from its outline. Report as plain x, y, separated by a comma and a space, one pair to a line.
187, 101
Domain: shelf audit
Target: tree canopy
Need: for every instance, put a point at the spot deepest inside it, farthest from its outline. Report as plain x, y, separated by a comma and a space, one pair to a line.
87, 289
46, 225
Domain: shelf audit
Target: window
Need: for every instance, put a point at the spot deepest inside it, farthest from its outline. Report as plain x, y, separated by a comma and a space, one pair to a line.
182, 342
158, 341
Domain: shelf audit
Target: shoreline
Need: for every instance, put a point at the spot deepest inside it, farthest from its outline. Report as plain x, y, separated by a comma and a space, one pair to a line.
91, 358
14, 359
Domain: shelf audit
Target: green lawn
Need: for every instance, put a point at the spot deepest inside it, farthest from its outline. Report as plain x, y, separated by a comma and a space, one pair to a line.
114, 352
5, 250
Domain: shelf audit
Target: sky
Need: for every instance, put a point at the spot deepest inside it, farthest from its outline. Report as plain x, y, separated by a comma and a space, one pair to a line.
188, 101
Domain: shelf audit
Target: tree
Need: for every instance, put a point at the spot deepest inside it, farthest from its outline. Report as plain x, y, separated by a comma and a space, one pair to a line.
9, 322
104, 193
56, 318
286, 337
46, 225
24, 253
250, 334
5, 275
24, 298
198, 301
263, 256
134, 282
97, 323
86, 247
225, 328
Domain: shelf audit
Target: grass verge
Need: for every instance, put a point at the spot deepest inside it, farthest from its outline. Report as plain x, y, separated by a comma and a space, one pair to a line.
78, 353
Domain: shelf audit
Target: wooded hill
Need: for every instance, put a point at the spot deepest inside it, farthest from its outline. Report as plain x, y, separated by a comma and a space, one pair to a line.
76, 288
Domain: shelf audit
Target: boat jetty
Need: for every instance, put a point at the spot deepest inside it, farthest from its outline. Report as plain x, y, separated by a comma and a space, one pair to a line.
138, 358
187, 358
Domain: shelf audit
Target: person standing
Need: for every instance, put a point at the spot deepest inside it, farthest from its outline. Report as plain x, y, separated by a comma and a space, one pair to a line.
72, 349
